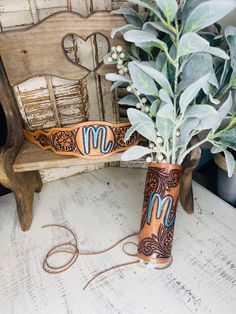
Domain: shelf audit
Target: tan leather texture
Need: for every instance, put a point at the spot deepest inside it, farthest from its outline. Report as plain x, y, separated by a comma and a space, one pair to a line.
92, 139
159, 211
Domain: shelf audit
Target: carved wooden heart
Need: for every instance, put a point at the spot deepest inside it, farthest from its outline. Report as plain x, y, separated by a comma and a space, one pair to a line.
32, 59
88, 52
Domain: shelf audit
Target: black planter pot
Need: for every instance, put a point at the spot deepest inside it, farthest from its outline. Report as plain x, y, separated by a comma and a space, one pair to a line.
226, 187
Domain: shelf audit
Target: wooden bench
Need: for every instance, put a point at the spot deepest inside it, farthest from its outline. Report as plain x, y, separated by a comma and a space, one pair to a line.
24, 56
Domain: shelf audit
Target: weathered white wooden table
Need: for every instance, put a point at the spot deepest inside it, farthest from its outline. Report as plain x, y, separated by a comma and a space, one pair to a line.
101, 207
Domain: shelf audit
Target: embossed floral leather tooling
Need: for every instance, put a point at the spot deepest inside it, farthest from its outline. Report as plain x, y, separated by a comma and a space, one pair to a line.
92, 139
158, 215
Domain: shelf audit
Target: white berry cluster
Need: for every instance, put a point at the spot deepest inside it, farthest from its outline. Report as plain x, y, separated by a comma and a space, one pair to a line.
118, 55
156, 148
142, 101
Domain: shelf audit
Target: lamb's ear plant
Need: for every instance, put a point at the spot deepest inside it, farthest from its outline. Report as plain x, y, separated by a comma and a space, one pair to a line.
178, 78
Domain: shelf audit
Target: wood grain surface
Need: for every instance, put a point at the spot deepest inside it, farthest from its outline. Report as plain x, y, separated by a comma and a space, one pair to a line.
101, 207
31, 157
23, 185
26, 47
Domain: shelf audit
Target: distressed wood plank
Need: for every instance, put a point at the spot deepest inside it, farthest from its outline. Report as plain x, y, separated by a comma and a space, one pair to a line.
20, 18
12, 5
31, 157
36, 108
43, 13
53, 100
59, 173
202, 278
107, 99
34, 11
48, 4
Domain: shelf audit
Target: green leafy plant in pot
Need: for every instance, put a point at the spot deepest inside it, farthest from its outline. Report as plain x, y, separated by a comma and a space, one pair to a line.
176, 75
226, 186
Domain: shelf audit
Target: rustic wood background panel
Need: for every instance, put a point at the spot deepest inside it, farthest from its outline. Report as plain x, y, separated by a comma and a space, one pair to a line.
55, 103
102, 207
101, 103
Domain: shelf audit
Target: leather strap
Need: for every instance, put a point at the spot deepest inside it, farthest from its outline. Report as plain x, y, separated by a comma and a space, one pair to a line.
92, 139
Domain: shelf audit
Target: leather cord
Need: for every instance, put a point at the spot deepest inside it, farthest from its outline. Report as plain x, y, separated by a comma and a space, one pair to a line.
73, 250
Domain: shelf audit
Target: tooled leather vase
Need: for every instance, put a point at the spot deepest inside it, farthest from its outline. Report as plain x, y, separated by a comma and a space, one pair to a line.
158, 214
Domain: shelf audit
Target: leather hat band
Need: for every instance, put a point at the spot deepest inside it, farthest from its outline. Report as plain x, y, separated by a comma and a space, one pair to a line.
92, 139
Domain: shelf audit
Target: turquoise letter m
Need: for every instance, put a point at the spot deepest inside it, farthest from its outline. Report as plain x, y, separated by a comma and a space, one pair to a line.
95, 136
161, 203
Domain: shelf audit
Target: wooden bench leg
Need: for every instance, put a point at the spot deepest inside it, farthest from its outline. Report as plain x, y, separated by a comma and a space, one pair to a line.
24, 195
186, 190
189, 165
23, 185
